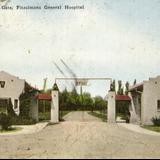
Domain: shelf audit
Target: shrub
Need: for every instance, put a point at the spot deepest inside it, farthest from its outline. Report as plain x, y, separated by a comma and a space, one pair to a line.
156, 121
44, 116
22, 121
5, 121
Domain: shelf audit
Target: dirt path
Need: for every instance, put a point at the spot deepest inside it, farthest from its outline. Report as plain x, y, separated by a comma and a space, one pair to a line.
74, 139
81, 117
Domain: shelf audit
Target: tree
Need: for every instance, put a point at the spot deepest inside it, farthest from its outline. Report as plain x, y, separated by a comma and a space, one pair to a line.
127, 88
119, 87
5, 121
63, 99
113, 86
87, 101
55, 87
100, 103
135, 82
122, 91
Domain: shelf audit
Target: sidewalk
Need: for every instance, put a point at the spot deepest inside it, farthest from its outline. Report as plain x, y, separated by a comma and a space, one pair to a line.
27, 129
138, 129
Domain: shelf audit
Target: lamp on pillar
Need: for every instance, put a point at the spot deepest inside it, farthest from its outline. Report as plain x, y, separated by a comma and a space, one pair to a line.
55, 104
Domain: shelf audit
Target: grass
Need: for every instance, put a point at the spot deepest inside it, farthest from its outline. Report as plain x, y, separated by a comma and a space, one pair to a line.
62, 114
99, 115
10, 130
152, 128
123, 117
47, 115
44, 116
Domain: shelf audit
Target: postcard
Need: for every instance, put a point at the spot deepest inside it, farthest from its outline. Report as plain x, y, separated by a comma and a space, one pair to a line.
79, 79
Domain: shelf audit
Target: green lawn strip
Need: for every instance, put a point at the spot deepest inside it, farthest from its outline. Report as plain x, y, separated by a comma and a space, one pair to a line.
11, 130
99, 115
123, 117
152, 128
62, 114
44, 116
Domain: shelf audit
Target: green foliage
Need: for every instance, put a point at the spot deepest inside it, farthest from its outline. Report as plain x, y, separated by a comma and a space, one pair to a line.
127, 88
74, 101
99, 115
122, 110
25, 102
5, 121
23, 118
113, 86
152, 128
44, 106
44, 116
62, 114
156, 121
55, 87
3, 109
100, 104
87, 99
10, 110
22, 121
135, 82
119, 87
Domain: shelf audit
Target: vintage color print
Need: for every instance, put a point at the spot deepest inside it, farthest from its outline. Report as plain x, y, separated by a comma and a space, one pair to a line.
79, 79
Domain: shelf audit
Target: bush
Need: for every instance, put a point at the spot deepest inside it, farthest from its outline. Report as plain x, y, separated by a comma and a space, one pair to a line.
44, 116
22, 121
5, 121
156, 121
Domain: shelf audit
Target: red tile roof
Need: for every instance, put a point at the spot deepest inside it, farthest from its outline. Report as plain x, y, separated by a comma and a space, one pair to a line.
137, 86
44, 97
122, 98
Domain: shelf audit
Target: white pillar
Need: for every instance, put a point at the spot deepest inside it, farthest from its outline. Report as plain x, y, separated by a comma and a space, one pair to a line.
55, 107
111, 107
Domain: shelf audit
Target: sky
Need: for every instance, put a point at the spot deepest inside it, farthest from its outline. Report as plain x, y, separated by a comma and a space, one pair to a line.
109, 38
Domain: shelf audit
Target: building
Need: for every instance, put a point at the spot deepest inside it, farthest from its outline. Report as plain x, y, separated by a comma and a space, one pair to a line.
11, 88
145, 101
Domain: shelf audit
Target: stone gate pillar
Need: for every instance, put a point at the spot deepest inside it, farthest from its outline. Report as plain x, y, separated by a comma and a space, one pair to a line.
111, 107
55, 106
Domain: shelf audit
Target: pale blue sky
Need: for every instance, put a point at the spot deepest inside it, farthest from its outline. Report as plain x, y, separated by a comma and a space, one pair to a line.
110, 38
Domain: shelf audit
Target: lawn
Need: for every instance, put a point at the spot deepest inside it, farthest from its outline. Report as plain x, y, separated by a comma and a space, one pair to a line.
62, 114
152, 128
99, 114
44, 116
47, 115
11, 130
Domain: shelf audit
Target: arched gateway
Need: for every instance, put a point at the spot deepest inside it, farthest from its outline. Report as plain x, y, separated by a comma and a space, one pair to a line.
80, 82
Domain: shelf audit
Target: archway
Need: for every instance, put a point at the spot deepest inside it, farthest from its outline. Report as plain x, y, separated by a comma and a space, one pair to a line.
123, 108
55, 94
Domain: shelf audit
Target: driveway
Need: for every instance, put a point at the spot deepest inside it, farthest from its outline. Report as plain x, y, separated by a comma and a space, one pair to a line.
81, 139
81, 117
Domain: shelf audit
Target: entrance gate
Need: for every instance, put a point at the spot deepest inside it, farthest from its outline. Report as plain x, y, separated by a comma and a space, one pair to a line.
81, 82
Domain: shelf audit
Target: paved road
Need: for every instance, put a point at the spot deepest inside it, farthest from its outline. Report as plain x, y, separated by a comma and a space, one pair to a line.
74, 139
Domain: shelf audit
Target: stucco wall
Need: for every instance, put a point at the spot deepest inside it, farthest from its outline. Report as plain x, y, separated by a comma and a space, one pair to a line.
150, 96
34, 109
13, 87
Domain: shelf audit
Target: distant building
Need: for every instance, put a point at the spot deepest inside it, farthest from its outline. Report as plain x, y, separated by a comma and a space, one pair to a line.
11, 88
145, 101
